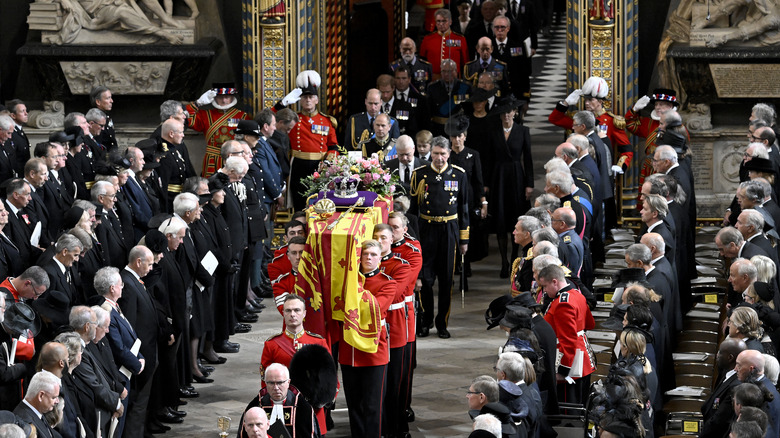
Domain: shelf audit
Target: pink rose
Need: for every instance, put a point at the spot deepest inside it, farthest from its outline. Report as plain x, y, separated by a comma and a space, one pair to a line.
392, 188
386, 177
316, 174
375, 176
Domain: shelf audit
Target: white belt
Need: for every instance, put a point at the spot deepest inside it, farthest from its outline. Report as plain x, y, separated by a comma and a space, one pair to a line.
383, 323
581, 333
409, 298
397, 306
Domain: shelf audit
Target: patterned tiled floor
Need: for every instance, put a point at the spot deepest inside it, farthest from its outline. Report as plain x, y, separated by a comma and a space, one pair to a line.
548, 83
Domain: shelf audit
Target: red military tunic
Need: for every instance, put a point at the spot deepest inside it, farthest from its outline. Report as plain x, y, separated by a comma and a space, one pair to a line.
436, 47
616, 133
283, 286
313, 136
409, 250
569, 315
383, 288
213, 123
279, 265
646, 127
281, 347
397, 315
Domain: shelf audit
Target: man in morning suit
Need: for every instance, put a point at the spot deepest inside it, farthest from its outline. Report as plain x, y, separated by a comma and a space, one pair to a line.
138, 307
42, 397
718, 410
63, 276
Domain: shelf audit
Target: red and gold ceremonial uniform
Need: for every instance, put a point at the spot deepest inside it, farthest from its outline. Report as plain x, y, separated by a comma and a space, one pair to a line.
399, 270
616, 131
569, 315
213, 123
646, 127
311, 139
281, 347
437, 46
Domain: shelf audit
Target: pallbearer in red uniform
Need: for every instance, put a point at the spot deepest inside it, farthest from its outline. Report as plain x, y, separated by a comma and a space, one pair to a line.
217, 123
281, 347
569, 315
408, 248
397, 316
281, 264
312, 138
364, 374
284, 283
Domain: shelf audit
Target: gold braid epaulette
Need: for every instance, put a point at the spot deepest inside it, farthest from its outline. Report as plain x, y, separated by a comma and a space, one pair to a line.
515, 267
417, 189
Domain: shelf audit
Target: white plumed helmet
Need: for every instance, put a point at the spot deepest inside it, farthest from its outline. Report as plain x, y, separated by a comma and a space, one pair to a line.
308, 81
595, 87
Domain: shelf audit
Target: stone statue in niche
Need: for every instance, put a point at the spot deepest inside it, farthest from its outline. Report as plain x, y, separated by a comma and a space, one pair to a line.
111, 22
750, 19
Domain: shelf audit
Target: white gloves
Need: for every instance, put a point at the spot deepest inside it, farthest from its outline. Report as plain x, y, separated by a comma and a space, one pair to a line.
641, 103
294, 96
617, 170
574, 97
206, 98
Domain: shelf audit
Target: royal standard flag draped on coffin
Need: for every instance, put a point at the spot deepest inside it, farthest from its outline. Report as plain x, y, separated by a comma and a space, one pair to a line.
337, 306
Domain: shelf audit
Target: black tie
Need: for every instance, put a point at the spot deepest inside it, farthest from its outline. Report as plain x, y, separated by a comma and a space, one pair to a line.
370, 123
501, 48
387, 108
407, 175
484, 65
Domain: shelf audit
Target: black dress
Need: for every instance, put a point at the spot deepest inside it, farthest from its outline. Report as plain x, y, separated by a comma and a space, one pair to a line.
512, 172
469, 160
478, 138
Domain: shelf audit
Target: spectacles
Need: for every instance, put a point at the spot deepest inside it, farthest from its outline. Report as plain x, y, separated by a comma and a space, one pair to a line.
472, 393
499, 27
279, 383
102, 125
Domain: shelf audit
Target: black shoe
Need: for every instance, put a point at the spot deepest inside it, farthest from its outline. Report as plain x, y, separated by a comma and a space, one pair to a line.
186, 393
168, 417
423, 332
443, 333
257, 303
251, 308
248, 317
242, 328
226, 347
263, 292
205, 368
204, 379
410, 415
218, 361
180, 414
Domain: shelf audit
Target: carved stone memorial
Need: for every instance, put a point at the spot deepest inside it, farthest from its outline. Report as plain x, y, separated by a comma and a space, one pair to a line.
134, 47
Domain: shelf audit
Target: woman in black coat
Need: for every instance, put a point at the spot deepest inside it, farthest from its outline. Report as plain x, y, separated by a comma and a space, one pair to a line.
511, 181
